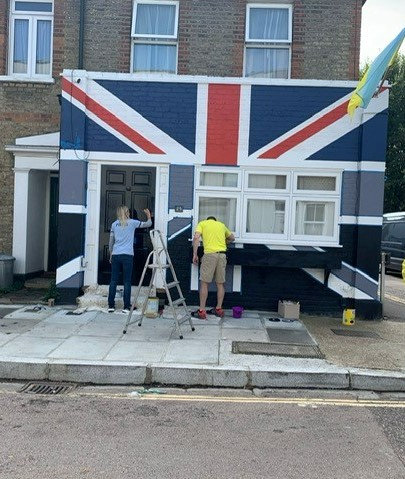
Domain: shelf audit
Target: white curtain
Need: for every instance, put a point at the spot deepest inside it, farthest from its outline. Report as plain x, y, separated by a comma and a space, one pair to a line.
265, 216
20, 57
219, 179
268, 24
155, 19
274, 182
267, 62
314, 219
154, 58
224, 209
43, 57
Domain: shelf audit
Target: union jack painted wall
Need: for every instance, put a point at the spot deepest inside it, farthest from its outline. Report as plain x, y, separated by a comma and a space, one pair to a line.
183, 124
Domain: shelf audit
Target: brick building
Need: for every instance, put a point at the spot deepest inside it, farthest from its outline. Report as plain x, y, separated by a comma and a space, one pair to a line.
279, 41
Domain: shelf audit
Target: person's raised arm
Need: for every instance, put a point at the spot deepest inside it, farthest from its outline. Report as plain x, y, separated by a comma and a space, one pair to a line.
148, 222
196, 244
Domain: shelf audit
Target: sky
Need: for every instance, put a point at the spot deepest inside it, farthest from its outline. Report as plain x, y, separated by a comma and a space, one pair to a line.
382, 20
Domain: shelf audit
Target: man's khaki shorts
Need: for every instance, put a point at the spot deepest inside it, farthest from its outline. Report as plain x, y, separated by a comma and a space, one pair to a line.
213, 266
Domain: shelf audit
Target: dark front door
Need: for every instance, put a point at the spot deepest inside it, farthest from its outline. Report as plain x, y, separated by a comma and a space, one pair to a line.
135, 188
53, 222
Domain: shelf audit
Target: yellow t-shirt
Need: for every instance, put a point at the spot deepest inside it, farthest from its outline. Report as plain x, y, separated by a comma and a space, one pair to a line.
214, 234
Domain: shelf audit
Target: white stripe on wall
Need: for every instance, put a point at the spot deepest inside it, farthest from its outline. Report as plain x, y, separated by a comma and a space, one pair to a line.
68, 269
369, 278
179, 232
237, 279
361, 220
77, 209
194, 278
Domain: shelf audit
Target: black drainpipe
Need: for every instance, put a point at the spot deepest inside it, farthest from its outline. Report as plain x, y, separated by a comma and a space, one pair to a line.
81, 34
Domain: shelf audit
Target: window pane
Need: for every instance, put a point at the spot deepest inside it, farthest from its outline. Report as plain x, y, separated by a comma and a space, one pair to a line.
267, 62
268, 24
265, 216
315, 218
20, 57
229, 180
275, 182
224, 209
43, 59
155, 19
33, 6
154, 58
321, 183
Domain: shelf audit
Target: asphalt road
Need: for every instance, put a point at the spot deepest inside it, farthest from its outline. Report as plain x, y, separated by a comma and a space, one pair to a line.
106, 433
394, 305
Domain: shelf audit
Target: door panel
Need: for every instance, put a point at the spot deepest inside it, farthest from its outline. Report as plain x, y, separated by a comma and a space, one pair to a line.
135, 188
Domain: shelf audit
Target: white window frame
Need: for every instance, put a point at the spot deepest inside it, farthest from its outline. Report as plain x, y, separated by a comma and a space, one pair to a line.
291, 195
33, 18
208, 194
265, 236
268, 43
315, 238
218, 188
313, 193
268, 6
147, 39
267, 190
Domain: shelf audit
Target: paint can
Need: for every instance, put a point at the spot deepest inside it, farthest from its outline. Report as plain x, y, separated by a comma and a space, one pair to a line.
349, 316
237, 311
152, 308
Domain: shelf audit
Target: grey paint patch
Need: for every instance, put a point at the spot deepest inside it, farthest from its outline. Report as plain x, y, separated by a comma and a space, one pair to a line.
75, 281
362, 193
357, 280
304, 248
176, 224
73, 179
181, 186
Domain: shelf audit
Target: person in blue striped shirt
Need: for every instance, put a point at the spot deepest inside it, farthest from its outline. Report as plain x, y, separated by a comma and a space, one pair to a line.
121, 249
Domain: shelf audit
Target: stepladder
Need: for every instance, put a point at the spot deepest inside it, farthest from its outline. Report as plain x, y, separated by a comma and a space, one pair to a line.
159, 262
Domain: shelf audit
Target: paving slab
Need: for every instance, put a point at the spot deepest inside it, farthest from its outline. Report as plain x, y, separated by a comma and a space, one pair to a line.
254, 335
137, 351
243, 323
28, 312
29, 347
83, 348
52, 330
64, 316
5, 338
188, 351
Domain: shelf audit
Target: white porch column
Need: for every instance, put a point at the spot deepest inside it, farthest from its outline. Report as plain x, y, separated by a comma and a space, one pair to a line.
21, 182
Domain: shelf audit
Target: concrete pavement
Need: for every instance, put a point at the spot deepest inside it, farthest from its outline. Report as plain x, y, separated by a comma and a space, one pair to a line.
55, 344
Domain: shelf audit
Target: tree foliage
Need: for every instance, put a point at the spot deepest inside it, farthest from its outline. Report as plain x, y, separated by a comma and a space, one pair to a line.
394, 198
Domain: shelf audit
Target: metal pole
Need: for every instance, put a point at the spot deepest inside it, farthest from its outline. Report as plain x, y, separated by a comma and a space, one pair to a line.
382, 283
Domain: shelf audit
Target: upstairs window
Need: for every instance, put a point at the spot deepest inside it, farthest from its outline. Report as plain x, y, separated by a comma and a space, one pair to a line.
154, 36
31, 26
268, 40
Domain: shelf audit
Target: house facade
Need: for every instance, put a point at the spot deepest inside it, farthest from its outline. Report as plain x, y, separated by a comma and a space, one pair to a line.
230, 108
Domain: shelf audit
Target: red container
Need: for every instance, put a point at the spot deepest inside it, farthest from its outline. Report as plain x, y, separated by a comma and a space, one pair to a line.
237, 311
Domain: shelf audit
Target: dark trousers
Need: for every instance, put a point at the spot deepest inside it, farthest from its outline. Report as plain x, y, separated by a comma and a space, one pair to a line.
124, 261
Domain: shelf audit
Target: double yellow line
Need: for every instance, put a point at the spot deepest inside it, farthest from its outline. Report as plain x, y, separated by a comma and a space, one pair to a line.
394, 298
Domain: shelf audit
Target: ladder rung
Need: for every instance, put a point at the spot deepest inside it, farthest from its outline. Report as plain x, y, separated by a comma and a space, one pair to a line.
178, 301
154, 265
172, 285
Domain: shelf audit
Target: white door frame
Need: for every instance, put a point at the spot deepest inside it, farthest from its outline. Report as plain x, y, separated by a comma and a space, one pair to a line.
94, 203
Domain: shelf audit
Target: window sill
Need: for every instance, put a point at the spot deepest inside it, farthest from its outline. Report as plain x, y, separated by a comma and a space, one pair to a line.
15, 79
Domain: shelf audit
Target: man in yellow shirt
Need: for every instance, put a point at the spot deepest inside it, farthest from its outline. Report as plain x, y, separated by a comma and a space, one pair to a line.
215, 236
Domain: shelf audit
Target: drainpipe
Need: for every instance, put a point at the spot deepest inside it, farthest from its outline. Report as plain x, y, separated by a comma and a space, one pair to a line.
81, 34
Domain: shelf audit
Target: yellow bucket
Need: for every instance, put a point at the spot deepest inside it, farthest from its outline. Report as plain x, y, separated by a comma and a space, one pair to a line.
349, 315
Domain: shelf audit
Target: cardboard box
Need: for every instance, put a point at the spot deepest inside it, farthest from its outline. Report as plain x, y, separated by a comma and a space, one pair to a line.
289, 309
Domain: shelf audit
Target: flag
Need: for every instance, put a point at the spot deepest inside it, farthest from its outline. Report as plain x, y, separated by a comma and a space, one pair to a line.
375, 72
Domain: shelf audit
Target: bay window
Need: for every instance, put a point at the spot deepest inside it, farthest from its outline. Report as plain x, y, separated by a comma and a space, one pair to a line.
265, 206
31, 27
154, 36
268, 40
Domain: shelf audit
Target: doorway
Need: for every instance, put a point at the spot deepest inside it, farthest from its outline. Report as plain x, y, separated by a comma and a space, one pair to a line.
135, 188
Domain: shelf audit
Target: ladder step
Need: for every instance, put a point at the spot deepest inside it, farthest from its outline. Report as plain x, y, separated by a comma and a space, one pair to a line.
172, 285
178, 301
154, 265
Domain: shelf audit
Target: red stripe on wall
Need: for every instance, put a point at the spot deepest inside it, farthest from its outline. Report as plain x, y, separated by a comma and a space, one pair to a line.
112, 120
223, 124
310, 130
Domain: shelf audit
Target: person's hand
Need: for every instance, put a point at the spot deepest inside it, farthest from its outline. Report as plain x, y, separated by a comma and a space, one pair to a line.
110, 258
147, 213
195, 259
